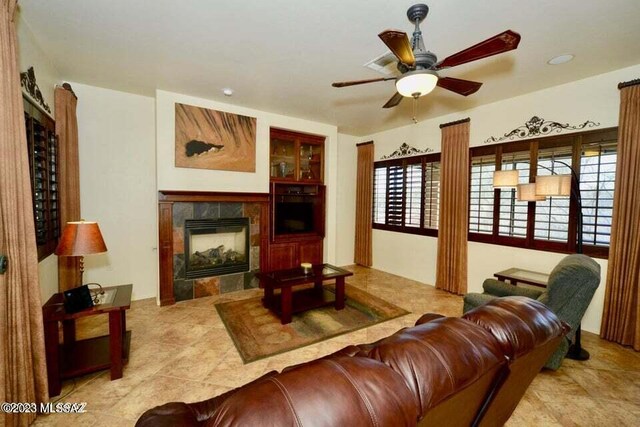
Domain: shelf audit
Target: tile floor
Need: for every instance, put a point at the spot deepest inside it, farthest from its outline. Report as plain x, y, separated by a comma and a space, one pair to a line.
183, 353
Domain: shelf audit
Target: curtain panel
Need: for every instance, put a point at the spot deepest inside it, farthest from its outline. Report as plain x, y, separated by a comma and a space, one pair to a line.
69, 177
621, 314
23, 363
451, 270
364, 205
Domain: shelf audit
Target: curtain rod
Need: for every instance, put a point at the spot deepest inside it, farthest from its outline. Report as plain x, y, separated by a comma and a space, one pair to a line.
364, 143
457, 122
629, 83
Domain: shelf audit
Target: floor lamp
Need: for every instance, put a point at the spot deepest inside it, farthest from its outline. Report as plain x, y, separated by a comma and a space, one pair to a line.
543, 187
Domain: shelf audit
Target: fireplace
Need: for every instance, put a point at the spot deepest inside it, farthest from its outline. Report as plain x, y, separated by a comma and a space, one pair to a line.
214, 247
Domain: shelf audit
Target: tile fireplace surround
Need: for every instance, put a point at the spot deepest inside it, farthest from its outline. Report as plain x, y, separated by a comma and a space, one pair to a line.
174, 208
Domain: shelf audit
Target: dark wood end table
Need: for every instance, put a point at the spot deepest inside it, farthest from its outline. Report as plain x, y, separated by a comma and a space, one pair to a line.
306, 299
74, 358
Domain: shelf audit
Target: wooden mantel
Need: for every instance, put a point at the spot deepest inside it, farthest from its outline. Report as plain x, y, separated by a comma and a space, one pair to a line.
166, 199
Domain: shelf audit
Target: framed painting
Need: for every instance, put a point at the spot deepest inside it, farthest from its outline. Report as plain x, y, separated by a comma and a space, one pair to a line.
211, 139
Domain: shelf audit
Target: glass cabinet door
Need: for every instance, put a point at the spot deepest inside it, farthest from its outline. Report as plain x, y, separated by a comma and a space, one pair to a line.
283, 158
310, 162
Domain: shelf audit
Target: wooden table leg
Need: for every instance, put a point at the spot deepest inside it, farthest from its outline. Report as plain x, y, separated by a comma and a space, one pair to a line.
69, 331
53, 357
339, 293
124, 330
115, 344
318, 286
285, 305
268, 297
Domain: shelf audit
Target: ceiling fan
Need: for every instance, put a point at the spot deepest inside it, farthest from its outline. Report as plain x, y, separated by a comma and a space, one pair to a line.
419, 67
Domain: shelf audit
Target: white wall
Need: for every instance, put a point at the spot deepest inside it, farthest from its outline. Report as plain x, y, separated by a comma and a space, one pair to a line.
595, 98
47, 76
116, 132
346, 215
170, 177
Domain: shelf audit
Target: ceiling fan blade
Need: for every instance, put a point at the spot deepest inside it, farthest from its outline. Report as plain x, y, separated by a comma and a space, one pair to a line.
393, 101
398, 43
500, 43
361, 82
463, 87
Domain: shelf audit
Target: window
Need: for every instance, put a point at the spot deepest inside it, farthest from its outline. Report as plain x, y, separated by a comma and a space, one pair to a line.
597, 177
513, 213
552, 215
406, 194
496, 216
481, 194
42, 146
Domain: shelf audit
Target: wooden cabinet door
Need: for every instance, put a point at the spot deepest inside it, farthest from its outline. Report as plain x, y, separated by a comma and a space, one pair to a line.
283, 256
311, 252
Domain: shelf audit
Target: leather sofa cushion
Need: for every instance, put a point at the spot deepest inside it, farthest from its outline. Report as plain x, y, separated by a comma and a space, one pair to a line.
520, 324
430, 360
341, 391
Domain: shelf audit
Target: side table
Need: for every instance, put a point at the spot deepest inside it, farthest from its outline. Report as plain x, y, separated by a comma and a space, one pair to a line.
73, 358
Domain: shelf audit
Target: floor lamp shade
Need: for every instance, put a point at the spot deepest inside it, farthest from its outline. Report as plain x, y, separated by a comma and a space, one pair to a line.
553, 185
505, 179
81, 238
527, 193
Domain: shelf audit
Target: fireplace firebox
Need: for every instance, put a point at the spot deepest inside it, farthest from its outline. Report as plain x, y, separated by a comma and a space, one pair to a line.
214, 247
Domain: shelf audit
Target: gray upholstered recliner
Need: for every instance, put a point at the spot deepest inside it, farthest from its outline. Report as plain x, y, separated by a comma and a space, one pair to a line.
569, 291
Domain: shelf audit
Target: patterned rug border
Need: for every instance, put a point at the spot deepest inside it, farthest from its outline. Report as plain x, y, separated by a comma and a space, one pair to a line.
245, 361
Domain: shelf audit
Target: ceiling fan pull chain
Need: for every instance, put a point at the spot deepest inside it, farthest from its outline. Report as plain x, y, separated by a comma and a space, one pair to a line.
415, 109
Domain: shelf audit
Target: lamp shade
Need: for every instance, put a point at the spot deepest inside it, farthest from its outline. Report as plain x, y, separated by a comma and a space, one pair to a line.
527, 193
80, 238
553, 185
416, 83
505, 179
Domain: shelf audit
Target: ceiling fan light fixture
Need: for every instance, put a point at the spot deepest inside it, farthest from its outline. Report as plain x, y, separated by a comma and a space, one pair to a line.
417, 83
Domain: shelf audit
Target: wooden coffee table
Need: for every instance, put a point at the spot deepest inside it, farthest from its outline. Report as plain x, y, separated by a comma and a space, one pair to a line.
289, 301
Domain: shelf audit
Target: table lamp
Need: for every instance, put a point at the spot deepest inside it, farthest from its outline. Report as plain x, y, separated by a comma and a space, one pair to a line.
80, 238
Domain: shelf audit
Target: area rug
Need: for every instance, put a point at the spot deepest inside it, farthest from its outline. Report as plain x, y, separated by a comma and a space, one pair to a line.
257, 332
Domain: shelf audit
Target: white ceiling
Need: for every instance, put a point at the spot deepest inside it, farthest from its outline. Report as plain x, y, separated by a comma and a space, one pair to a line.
282, 55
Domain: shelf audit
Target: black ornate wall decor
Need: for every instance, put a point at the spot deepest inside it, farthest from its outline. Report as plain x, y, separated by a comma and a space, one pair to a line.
28, 82
406, 150
537, 126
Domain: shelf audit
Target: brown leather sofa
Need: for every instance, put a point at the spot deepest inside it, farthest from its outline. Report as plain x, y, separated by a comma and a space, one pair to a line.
444, 371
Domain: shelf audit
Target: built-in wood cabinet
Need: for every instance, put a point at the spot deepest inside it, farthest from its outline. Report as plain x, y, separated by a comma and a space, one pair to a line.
42, 148
297, 200
296, 157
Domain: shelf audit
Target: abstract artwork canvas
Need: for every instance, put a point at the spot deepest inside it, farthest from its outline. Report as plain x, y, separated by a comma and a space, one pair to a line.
210, 139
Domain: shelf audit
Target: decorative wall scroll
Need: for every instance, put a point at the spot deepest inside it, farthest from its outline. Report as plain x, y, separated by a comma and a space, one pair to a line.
210, 139
28, 83
406, 150
537, 126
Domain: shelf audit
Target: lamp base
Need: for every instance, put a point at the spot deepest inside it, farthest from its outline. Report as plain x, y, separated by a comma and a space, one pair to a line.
577, 353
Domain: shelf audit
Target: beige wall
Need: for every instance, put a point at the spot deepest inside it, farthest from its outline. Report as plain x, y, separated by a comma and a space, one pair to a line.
47, 76
595, 98
116, 133
173, 178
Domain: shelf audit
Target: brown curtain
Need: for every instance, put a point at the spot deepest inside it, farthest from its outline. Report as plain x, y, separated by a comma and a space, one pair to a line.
69, 177
364, 205
621, 316
23, 376
451, 270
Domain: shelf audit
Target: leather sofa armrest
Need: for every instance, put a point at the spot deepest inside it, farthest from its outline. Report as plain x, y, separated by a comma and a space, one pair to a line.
428, 317
502, 289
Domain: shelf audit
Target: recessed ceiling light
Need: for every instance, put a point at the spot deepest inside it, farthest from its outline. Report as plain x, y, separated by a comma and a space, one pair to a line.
560, 59
227, 91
